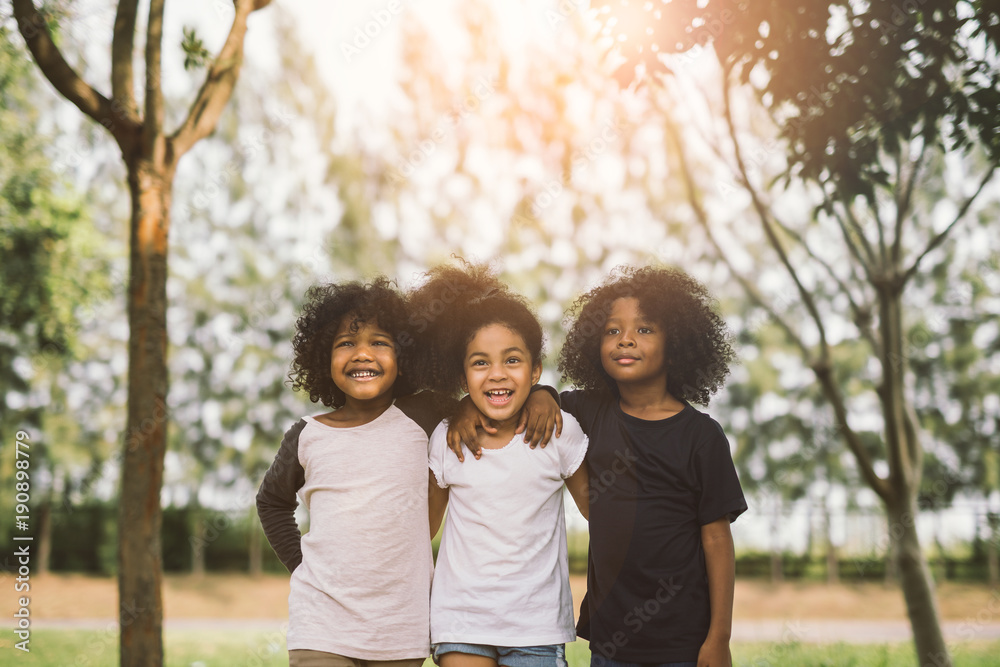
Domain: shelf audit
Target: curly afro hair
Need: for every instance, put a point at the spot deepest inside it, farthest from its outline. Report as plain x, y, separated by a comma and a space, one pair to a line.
698, 350
450, 307
379, 303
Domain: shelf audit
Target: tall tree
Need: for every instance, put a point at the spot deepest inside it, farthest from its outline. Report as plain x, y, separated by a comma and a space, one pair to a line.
150, 154
867, 99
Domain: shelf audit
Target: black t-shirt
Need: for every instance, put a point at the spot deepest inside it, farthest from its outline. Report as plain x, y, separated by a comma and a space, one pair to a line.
653, 485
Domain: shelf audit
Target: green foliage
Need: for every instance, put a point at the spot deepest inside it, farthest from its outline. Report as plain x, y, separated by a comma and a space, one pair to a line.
854, 81
40, 245
196, 55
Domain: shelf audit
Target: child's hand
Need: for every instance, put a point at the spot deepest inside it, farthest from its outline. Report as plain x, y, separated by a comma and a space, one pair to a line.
539, 418
462, 429
715, 653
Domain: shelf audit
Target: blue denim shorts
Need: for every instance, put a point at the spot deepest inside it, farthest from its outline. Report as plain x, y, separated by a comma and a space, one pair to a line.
552, 655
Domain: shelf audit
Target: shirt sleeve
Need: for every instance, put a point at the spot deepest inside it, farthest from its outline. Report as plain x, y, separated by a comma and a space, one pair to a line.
276, 500
571, 446
581, 404
437, 452
721, 493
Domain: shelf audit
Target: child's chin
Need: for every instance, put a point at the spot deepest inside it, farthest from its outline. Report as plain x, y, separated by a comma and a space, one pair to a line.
497, 415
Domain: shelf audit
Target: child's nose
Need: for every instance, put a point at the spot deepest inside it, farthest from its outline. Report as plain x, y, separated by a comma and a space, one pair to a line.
363, 352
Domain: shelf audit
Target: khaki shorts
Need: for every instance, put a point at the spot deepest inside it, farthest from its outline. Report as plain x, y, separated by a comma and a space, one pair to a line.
307, 658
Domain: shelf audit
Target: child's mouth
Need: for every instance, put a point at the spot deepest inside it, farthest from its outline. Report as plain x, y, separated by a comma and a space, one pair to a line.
499, 396
363, 374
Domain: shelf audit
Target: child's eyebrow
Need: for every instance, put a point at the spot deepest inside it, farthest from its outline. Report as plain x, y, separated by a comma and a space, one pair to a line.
507, 351
375, 334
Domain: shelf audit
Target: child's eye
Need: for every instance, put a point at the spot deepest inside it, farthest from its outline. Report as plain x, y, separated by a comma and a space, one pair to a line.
513, 360
612, 331
344, 343
478, 362
645, 330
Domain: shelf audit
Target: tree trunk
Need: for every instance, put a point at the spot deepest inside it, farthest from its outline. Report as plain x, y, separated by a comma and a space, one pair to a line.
917, 584
45, 533
199, 542
777, 574
891, 564
832, 566
992, 559
140, 559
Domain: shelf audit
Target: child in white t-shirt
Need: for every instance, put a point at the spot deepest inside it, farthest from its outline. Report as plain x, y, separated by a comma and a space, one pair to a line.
500, 594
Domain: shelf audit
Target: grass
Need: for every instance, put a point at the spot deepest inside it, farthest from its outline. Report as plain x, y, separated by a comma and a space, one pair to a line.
200, 648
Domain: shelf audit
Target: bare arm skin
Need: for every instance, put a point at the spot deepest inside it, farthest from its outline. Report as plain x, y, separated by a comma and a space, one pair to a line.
579, 487
720, 561
437, 501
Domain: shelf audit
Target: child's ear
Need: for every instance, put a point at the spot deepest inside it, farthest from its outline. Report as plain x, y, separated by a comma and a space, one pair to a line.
536, 374
463, 384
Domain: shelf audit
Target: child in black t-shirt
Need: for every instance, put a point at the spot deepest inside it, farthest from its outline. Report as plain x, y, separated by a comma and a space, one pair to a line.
663, 488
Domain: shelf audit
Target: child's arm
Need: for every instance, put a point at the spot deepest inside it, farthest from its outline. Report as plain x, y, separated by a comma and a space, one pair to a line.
437, 501
579, 487
720, 562
276, 501
540, 418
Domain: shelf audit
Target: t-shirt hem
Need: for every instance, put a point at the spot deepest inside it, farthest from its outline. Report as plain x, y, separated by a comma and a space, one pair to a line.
410, 653
495, 640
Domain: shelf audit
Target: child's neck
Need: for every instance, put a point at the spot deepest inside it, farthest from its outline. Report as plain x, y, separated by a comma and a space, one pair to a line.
651, 401
503, 436
357, 412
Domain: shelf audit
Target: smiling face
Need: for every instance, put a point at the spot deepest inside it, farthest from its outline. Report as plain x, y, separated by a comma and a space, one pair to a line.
363, 363
499, 373
632, 346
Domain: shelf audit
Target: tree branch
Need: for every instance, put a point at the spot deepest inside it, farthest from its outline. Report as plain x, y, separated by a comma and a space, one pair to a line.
748, 286
765, 219
218, 86
122, 45
66, 81
904, 201
845, 229
832, 392
963, 209
152, 137
860, 232
856, 310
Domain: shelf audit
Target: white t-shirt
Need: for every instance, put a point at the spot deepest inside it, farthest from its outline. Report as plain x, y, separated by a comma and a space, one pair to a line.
362, 588
502, 574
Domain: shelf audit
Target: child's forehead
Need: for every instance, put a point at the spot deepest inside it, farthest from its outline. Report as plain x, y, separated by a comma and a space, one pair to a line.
626, 306
355, 323
497, 332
